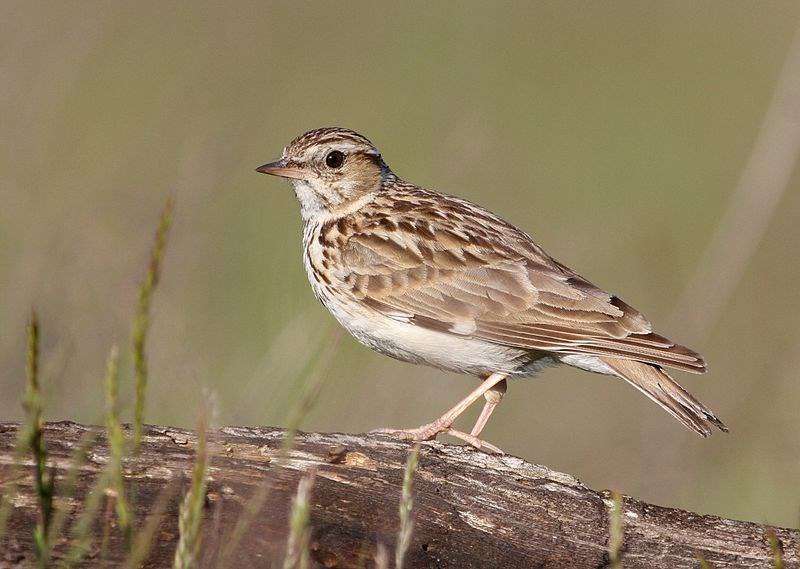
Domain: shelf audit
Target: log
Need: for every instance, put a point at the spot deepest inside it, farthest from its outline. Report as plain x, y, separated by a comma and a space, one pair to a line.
471, 509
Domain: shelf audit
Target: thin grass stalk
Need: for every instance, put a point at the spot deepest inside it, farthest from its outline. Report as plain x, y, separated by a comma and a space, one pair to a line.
252, 507
616, 532
313, 385
704, 564
775, 547
57, 516
406, 508
191, 513
299, 540
143, 541
116, 445
67, 488
108, 514
363, 554
141, 323
311, 389
764, 181
213, 547
43, 480
82, 530
10, 485
78, 457
381, 557
6, 504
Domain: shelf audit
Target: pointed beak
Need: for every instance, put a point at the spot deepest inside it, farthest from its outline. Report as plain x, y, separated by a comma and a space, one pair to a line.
283, 169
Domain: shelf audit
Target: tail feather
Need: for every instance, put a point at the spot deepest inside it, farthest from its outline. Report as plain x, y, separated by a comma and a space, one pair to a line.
661, 388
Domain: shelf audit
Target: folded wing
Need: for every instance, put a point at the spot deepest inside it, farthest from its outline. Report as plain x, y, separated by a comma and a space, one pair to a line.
462, 270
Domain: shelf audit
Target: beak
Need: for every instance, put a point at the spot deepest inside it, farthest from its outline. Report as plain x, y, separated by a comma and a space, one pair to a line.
283, 169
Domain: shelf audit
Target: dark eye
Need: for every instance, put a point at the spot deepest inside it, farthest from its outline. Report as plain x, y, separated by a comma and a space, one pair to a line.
334, 159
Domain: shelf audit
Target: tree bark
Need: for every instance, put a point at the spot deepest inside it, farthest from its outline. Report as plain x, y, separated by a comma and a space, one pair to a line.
470, 509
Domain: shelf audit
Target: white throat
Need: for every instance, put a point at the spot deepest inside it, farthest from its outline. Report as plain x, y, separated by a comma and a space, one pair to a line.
312, 208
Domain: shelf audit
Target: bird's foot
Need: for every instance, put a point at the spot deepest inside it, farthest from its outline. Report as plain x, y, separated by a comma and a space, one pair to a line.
424, 433
479, 444
430, 431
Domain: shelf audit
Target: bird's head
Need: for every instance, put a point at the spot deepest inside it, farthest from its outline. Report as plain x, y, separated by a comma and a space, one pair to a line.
332, 170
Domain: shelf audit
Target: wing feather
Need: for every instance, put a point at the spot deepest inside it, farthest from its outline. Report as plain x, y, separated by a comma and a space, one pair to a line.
462, 270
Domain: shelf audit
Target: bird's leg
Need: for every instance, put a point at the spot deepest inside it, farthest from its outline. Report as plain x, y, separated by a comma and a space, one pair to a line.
493, 398
443, 423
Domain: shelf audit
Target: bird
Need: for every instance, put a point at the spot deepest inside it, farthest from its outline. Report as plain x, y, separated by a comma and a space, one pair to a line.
433, 279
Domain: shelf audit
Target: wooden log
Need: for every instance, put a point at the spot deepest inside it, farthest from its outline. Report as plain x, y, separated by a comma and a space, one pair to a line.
471, 509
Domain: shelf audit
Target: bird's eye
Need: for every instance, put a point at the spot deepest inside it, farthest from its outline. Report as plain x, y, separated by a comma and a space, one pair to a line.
334, 159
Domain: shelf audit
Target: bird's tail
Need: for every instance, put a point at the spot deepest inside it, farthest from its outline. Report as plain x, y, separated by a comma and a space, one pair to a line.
661, 388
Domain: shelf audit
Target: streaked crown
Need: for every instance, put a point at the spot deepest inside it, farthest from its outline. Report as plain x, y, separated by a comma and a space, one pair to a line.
330, 136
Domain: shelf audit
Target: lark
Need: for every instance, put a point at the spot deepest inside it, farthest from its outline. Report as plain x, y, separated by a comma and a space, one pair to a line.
433, 279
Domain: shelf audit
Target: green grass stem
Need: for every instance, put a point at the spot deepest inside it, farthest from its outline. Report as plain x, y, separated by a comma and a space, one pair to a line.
116, 446
775, 547
141, 323
34, 438
67, 488
191, 513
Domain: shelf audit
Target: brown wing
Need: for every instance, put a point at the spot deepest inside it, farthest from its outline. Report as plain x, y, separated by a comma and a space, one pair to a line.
459, 269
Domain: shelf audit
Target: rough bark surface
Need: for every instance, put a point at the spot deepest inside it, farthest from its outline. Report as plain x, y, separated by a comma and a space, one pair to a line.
470, 509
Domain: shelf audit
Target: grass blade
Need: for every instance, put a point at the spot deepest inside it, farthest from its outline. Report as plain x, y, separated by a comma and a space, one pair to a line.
616, 532
315, 379
6, 505
704, 564
34, 438
299, 540
775, 547
406, 507
141, 323
82, 531
67, 489
116, 445
191, 514
143, 541
381, 557
310, 391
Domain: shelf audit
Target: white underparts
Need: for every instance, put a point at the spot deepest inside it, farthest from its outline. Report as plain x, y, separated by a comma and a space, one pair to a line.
588, 363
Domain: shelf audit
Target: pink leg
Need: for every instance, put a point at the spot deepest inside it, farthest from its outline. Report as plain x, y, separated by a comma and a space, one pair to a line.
443, 423
493, 398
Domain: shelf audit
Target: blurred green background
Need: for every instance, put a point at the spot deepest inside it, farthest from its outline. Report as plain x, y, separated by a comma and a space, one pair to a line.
614, 132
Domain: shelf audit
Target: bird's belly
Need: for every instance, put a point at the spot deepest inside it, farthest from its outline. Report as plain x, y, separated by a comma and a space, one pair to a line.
412, 343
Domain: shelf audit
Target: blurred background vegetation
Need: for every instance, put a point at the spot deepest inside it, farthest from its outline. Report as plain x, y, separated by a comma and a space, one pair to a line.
614, 132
